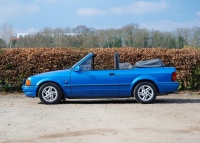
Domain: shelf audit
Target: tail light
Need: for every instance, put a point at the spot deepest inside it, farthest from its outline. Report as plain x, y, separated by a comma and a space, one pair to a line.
174, 76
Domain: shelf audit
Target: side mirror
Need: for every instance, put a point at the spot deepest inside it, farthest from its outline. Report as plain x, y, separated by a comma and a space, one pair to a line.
77, 69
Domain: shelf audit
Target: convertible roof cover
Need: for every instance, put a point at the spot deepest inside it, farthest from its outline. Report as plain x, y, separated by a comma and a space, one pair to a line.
150, 63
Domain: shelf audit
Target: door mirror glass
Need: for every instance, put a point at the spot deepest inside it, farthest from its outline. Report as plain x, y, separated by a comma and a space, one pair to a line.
77, 69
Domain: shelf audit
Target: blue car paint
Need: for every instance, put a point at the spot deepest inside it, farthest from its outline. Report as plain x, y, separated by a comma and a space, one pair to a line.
102, 83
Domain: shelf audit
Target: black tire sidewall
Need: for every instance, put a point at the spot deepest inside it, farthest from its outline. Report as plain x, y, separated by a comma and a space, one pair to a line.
56, 87
135, 92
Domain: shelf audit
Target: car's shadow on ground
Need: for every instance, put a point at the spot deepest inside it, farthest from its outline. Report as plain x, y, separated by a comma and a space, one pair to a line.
159, 100
177, 100
132, 101
100, 101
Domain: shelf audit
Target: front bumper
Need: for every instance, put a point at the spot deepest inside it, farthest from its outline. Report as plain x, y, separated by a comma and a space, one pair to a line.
30, 91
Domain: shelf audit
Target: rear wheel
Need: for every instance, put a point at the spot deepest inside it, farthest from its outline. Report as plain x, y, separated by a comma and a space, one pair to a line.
145, 92
50, 93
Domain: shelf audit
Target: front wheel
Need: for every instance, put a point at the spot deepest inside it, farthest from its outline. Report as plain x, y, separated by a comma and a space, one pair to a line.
50, 93
145, 92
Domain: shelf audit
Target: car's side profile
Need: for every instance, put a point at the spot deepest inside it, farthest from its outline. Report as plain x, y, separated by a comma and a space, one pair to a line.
144, 81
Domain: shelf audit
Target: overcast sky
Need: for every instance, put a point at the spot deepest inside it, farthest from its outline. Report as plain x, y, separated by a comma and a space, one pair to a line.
34, 15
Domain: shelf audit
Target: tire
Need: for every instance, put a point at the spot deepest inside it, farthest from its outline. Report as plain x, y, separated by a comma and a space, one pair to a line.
50, 93
145, 92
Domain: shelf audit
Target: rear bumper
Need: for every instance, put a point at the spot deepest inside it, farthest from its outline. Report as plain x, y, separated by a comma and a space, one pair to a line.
168, 87
30, 91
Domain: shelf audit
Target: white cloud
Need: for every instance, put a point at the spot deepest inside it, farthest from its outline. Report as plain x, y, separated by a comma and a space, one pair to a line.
9, 9
48, 1
90, 12
51, 1
144, 7
169, 25
30, 30
139, 7
198, 13
30, 9
117, 10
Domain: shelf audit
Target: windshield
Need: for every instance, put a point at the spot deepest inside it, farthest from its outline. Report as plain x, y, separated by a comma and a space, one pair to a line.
82, 60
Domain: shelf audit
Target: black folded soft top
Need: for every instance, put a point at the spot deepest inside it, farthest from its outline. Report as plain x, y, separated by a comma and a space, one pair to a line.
150, 63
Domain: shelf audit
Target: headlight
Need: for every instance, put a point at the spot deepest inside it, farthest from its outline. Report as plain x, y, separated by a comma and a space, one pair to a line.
28, 82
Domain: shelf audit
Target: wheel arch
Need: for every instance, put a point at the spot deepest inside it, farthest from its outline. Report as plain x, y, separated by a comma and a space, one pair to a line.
144, 80
42, 83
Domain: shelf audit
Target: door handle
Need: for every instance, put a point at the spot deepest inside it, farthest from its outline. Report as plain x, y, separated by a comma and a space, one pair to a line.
111, 74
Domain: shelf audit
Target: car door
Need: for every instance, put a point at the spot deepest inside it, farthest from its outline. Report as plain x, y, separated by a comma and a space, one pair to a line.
89, 83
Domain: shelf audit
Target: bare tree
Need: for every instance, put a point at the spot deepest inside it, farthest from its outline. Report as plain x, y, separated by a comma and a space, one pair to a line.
7, 32
2, 43
195, 41
129, 33
81, 29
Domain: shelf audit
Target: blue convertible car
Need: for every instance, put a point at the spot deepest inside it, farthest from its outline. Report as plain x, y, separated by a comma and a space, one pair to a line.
144, 81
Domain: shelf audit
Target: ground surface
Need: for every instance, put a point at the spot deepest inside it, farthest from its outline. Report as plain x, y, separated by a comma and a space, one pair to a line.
171, 119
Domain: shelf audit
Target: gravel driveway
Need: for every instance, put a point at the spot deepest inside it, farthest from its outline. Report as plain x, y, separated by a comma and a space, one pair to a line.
171, 119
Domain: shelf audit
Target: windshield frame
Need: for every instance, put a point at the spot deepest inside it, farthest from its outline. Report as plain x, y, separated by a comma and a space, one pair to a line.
82, 60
